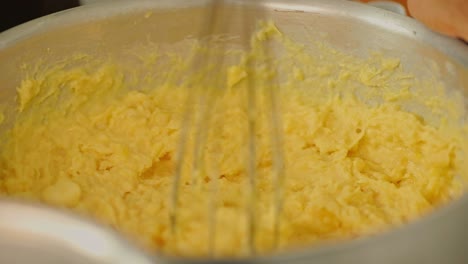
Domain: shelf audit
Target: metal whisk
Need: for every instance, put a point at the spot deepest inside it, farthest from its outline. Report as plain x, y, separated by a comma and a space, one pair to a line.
198, 119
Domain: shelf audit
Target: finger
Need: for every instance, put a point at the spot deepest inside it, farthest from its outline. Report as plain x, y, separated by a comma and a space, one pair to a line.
449, 17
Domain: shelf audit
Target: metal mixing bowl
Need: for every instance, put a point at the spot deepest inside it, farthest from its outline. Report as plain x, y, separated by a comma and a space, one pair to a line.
112, 26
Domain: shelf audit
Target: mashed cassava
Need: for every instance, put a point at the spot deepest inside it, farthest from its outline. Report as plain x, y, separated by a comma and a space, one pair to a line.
86, 139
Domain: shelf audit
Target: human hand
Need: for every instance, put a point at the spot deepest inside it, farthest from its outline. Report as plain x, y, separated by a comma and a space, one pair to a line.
449, 17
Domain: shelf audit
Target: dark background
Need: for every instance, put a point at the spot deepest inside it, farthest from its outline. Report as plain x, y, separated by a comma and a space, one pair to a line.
15, 12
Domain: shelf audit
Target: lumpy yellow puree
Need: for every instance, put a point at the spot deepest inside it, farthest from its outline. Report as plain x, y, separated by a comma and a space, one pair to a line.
85, 139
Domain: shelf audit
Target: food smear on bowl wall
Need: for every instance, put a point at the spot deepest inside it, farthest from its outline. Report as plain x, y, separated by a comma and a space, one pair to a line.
100, 137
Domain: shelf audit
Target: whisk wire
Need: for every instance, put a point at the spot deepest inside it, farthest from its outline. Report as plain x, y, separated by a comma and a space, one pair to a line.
251, 157
278, 170
189, 117
198, 116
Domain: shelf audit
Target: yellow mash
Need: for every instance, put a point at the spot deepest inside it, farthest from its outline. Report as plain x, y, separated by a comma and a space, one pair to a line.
86, 139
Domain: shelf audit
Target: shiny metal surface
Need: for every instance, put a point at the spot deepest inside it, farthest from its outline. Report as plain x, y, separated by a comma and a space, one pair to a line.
354, 28
390, 6
39, 234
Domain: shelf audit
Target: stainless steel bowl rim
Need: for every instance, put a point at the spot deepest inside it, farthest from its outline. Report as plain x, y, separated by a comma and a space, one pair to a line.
453, 48
387, 20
